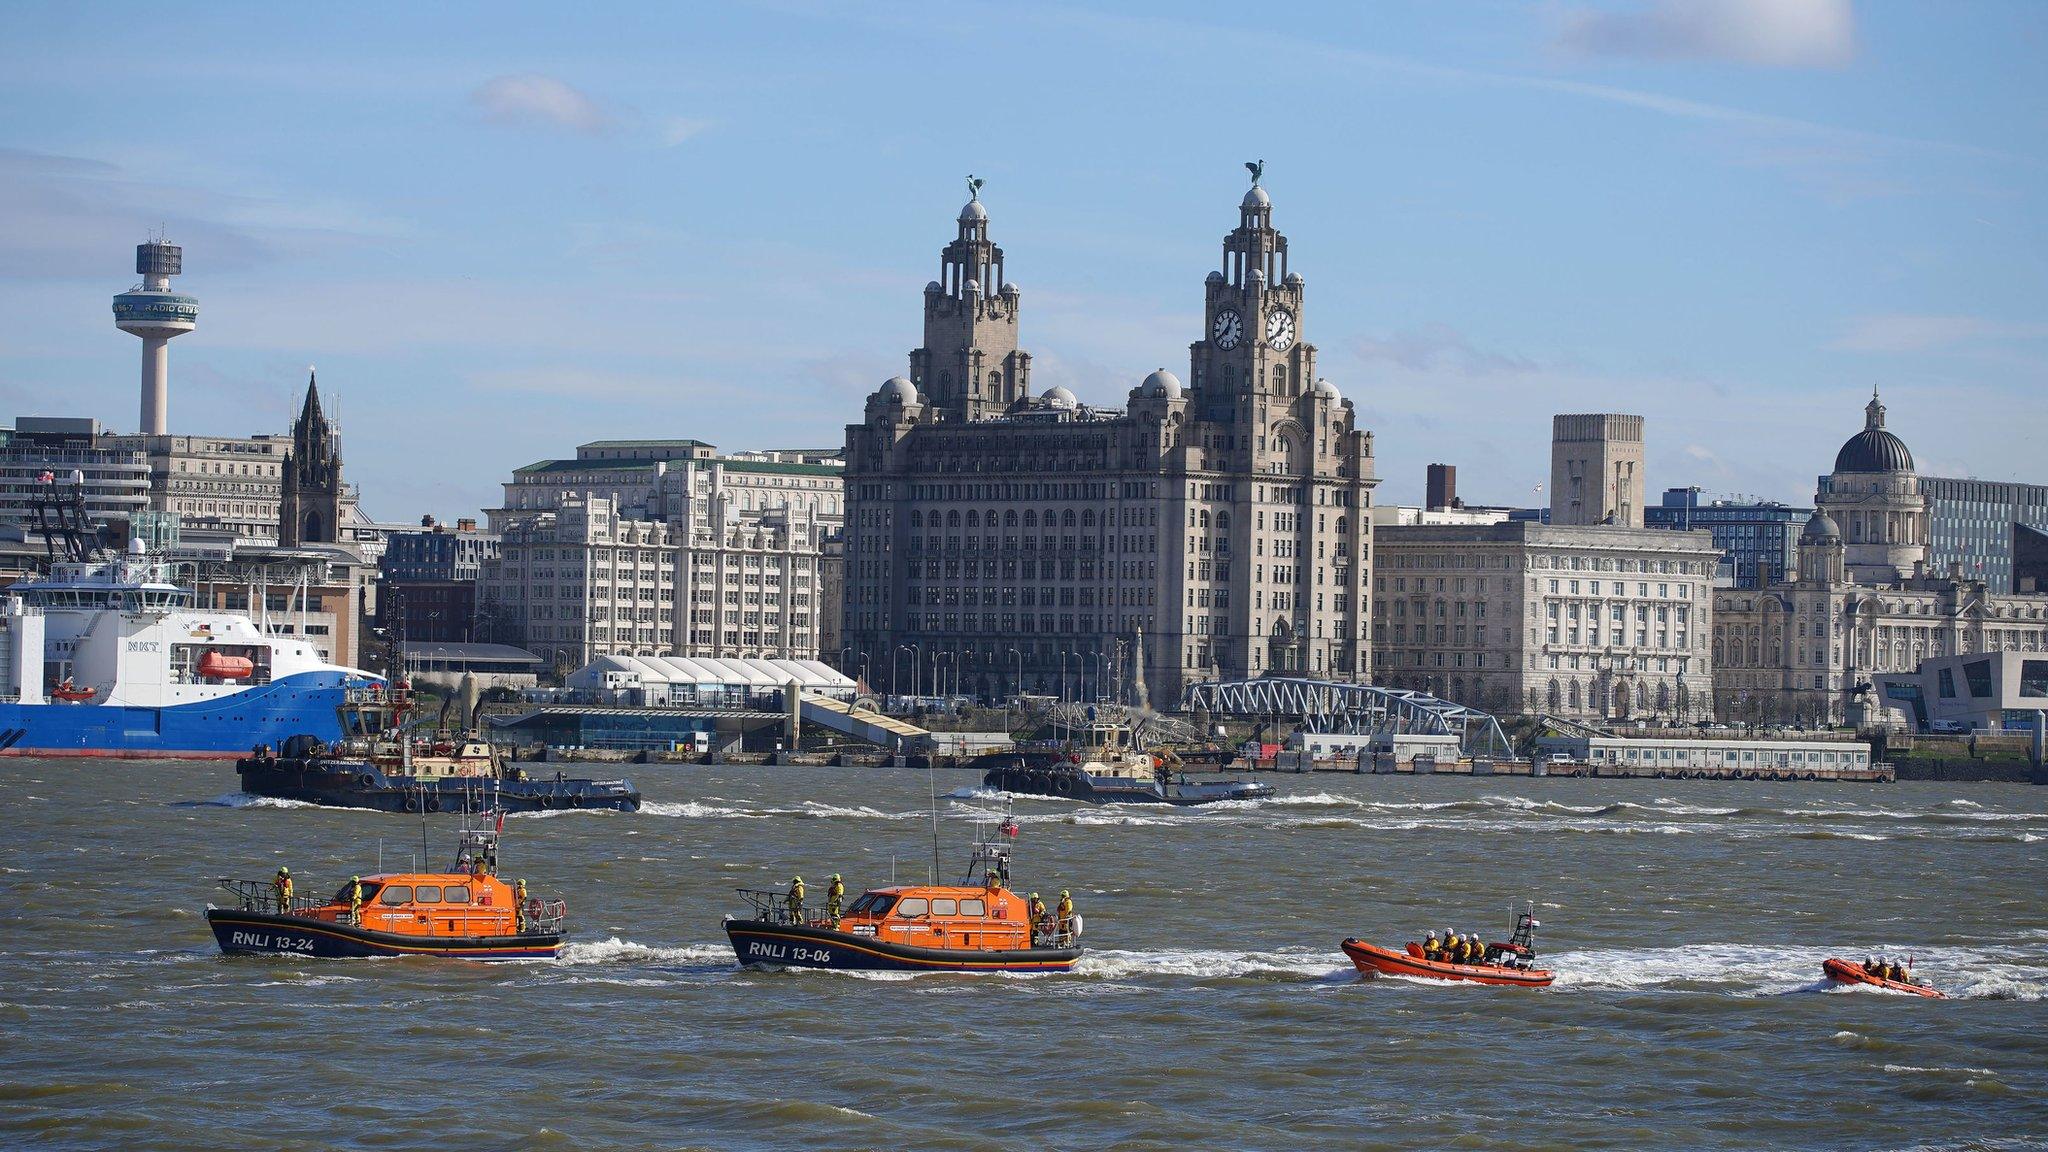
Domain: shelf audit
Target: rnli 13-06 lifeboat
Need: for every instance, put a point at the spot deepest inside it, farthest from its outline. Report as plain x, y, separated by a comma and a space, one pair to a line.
977, 925
468, 912
1511, 963
1851, 972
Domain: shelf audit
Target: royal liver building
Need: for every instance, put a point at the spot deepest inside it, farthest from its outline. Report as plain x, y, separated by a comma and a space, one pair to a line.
1215, 529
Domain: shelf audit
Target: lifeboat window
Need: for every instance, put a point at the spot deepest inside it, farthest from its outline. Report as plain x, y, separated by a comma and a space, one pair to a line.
945, 907
395, 894
911, 908
455, 894
427, 894
872, 904
973, 908
369, 892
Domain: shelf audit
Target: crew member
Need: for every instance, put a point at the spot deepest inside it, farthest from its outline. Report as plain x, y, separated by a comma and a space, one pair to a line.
1870, 966
282, 883
795, 900
1430, 948
519, 901
1036, 910
834, 893
355, 900
1453, 946
1066, 914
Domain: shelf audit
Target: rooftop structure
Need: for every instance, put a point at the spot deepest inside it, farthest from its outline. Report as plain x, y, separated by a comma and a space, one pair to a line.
157, 314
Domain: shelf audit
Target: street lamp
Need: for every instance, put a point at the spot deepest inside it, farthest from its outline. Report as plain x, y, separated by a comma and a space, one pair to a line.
1097, 656
1020, 686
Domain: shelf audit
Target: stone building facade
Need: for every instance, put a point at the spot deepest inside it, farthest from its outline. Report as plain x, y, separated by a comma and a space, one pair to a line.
1583, 622
1216, 529
644, 478
1596, 470
1864, 599
583, 581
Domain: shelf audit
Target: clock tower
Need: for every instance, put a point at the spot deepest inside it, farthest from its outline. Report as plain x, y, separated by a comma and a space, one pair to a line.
1253, 323
970, 367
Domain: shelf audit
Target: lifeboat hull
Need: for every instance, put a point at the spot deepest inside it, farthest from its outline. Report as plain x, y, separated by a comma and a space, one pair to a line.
1373, 960
761, 944
1848, 972
269, 934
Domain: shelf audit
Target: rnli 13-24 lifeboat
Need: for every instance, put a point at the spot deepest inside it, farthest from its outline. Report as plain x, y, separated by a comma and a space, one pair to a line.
977, 925
1851, 972
467, 912
1511, 963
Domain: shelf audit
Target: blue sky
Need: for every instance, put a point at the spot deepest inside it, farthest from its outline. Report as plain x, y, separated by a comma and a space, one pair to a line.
501, 230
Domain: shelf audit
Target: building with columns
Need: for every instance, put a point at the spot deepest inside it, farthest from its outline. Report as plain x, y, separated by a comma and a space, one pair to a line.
1864, 600
1220, 528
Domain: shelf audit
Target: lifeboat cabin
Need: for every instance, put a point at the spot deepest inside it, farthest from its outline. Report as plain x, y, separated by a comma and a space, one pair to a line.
910, 927
470, 913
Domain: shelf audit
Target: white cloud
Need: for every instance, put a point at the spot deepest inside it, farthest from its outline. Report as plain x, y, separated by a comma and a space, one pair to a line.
678, 129
1771, 33
1909, 333
532, 100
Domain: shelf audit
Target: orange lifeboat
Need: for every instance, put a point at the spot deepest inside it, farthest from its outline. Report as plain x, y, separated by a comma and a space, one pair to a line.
220, 666
467, 912
1850, 972
71, 694
1512, 963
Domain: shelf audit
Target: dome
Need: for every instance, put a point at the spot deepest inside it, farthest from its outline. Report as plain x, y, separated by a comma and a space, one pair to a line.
897, 390
1326, 389
1258, 275
973, 212
973, 287
1058, 397
1161, 384
1874, 449
1215, 277
1820, 529
934, 286
1256, 198
1293, 280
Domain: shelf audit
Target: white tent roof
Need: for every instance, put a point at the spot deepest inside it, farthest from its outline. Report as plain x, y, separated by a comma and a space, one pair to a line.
706, 672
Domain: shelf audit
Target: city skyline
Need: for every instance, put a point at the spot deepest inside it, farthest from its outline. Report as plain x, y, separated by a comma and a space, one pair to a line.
1735, 228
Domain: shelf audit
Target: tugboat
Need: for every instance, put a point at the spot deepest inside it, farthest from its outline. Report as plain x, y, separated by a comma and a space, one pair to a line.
466, 912
1877, 974
1106, 767
1512, 963
977, 925
380, 764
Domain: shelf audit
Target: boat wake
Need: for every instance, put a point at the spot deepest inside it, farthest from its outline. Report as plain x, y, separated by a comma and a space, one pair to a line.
1760, 970
245, 800
617, 951
1293, 964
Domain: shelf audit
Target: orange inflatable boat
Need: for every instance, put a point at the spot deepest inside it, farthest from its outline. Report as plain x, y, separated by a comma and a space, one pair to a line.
1511, 963
1850, 972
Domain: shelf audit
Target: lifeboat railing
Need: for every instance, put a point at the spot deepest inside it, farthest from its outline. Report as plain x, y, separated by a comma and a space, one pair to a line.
260, 896
544, 916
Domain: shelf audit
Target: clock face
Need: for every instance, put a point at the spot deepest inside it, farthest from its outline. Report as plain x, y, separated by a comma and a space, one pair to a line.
1228, 329
1280, 329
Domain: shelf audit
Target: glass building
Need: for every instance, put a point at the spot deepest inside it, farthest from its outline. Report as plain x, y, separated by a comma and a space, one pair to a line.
1758, 539
1996, 530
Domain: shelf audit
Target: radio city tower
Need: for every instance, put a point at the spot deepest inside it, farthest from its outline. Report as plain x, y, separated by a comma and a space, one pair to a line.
155, 313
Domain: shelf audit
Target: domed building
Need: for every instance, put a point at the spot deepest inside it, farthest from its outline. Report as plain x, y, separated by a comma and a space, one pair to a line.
1874, 496
999, 539
1863, 610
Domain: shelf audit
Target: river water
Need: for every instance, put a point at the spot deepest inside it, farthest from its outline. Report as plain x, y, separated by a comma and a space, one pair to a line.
1687, 921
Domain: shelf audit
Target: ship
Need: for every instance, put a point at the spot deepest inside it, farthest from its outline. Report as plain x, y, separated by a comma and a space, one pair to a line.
110, 658
467, 912
381, 762
1106, 767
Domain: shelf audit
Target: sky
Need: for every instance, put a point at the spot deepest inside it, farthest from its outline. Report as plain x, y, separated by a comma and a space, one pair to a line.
500, 231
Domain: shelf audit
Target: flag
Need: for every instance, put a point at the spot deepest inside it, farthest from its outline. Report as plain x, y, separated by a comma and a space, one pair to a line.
501, 821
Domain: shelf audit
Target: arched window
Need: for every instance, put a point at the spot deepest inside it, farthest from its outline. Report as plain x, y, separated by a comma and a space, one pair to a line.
953, 518
1574, 695
1067, 518
916, 518
1031, 518
1222, 521
973, 518
1088, 518
1010, 518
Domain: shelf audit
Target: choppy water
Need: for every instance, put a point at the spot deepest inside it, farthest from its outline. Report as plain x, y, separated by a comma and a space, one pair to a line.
1687, 921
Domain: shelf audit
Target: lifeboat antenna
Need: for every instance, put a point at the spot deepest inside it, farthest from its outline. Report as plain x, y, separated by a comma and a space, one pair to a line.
931, 771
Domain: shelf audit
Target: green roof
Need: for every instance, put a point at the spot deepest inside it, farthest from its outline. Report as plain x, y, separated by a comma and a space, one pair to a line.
585, 466
644, 444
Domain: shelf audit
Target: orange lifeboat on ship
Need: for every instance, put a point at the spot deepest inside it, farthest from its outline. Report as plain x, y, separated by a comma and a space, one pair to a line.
1850, 972
220, 666
69, 693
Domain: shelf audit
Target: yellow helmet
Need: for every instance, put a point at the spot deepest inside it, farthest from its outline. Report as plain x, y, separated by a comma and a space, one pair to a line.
1064, 893
835, 875
355, 879
283, 871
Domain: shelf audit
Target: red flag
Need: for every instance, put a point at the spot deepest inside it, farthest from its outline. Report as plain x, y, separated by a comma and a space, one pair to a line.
501, 821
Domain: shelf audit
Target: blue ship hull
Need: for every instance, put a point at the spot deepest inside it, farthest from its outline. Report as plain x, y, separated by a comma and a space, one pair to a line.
220, 729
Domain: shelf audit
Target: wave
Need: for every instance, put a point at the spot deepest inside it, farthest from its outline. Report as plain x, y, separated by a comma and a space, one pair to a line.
617, 951
1762, 970
1296, 964
245, 800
